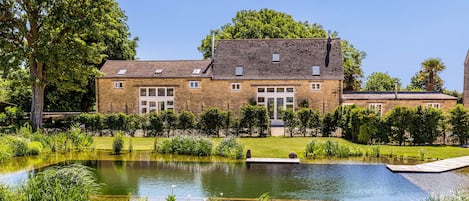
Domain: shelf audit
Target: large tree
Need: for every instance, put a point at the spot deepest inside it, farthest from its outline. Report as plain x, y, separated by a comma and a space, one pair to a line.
58, 41
427, 78
379, 81
266, 23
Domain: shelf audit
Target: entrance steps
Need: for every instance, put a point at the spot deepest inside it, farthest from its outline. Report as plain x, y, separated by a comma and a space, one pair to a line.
277, 131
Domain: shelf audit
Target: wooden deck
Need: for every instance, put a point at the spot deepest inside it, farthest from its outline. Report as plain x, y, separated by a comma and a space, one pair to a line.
433, 167
273, 160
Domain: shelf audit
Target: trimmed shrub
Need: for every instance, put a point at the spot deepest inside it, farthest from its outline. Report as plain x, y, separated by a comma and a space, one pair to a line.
230, 148
118, 143
34, 148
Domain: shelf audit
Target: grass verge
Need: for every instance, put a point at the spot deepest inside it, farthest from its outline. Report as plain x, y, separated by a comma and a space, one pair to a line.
279, 147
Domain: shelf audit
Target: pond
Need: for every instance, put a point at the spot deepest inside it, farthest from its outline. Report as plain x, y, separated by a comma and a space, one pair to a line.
159, 178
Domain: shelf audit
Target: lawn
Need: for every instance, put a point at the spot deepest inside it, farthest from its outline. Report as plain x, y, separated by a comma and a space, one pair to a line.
280, 147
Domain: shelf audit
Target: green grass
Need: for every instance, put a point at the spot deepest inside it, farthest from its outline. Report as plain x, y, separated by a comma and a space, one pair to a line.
279, 147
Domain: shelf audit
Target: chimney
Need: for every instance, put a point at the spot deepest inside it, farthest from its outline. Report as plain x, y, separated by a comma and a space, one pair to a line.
213, 45
395, 89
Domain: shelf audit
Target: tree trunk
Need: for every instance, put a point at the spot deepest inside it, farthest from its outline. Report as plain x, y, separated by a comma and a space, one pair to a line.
430, 81
37, 105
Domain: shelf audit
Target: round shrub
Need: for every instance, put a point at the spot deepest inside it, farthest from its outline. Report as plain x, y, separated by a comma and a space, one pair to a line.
118, 143
34, 148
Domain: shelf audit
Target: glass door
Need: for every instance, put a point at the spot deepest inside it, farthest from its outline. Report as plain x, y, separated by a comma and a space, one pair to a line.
271, 107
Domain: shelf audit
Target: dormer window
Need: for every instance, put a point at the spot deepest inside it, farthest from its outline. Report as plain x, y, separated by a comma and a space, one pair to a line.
239, 71
158, 71
196, 71
276, 57
315, 71
121, 72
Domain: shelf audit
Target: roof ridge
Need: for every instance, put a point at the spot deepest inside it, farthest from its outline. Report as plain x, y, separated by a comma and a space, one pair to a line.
178, 60
266, 39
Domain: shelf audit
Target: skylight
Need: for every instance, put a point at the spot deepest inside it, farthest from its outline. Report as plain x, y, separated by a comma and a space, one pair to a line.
196, 71
276, 57
239, 71
158, 71
316, 71
122, 72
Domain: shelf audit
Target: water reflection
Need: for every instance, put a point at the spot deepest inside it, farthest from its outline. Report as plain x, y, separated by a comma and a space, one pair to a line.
312, 182
152, 175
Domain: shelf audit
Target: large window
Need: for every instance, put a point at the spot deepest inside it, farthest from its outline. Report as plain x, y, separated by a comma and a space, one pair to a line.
156, 99
276, 99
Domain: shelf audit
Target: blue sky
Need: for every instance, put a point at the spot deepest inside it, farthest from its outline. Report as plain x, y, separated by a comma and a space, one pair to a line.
397, 35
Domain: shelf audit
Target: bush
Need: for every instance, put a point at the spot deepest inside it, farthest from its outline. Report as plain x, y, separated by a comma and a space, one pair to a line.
80, 140
131, 147
118, 143
74, 182
5, 149
19, 146
5, 193
329, 149
34, 148
186, 145
231, 148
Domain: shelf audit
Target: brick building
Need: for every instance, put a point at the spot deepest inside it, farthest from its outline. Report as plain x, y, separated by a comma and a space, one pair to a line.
383, 102
276, 73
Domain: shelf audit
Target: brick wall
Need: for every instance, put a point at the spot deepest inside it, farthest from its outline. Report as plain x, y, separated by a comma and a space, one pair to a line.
211, 93
388, 105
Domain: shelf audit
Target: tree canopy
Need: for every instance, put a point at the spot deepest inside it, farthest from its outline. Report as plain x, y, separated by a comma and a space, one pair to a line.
60, 42
428, 78
266, 23
379, 81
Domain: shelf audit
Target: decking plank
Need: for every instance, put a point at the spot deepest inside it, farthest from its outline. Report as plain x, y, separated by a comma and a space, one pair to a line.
273, 160
433, 167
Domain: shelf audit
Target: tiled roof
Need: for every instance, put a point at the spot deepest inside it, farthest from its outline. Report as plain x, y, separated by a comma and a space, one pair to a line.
297, 56
400, 96
149, 69
467, 58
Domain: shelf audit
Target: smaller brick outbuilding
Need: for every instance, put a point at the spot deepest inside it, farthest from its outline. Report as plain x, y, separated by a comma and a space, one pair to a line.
383, 102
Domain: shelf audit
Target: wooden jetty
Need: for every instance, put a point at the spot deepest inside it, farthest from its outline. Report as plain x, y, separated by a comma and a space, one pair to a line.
274, 160
433, 167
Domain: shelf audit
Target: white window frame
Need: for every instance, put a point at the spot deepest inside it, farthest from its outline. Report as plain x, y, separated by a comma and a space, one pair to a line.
376, 107
194, 84
118, 84
235, 86
434, 105
166, 101
316, 86
285, 93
